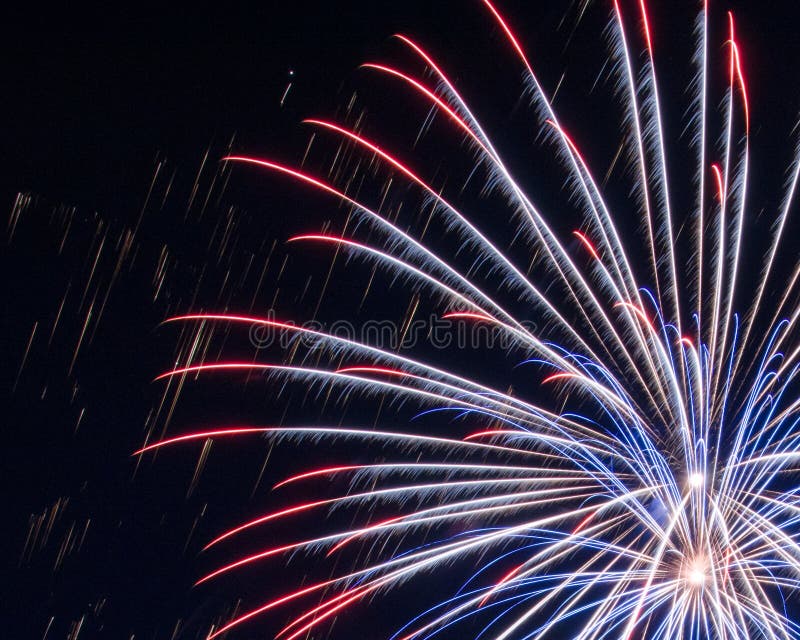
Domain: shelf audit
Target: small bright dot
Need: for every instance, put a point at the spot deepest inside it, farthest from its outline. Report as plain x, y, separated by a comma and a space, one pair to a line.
696, 480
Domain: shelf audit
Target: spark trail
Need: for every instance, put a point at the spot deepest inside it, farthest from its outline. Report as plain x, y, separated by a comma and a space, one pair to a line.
662, 503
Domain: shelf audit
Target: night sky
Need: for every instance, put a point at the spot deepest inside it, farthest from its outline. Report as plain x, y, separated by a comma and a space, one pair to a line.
121, 215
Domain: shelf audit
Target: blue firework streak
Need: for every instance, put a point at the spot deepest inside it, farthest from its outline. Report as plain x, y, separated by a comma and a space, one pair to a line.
660, 505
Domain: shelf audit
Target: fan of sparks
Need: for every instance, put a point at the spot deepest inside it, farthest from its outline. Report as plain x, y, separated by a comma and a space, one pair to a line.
663, 503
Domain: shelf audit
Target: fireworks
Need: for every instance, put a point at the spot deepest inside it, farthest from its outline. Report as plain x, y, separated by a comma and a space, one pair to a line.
660, 501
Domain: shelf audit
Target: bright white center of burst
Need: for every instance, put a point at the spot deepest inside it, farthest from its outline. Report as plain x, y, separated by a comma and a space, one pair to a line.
697, 577
696, 480
696, 573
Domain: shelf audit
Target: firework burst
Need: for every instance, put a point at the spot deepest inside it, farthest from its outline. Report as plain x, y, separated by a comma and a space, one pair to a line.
659, 501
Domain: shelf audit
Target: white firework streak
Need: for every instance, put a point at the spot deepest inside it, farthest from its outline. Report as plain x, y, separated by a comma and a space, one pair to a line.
665, 509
